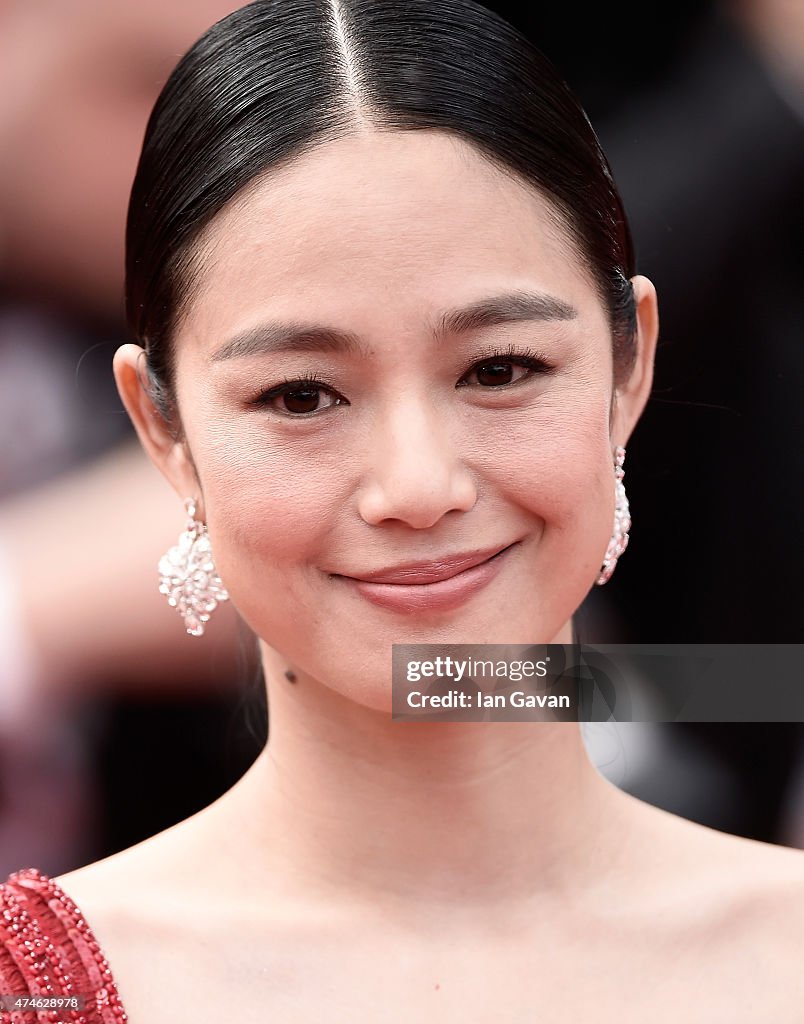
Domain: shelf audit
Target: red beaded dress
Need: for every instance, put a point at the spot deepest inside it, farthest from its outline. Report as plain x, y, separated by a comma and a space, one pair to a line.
49, 956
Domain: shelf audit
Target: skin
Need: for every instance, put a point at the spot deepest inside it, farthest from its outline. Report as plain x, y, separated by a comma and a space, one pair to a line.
479, 871
412, 467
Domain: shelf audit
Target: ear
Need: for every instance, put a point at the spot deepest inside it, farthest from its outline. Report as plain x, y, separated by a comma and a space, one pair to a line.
168, 452
631, 396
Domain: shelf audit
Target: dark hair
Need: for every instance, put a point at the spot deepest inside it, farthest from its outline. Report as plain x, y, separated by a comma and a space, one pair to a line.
279, 77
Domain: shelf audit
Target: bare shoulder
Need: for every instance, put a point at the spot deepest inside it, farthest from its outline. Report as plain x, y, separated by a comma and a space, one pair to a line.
772, 902
146, 887
763, 932
156, 920
115, 879
742, 889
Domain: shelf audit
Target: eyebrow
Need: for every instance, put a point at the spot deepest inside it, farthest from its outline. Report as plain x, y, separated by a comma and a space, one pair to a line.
509, 307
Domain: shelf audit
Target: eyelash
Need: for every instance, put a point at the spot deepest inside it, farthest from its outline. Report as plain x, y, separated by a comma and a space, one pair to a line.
527, 357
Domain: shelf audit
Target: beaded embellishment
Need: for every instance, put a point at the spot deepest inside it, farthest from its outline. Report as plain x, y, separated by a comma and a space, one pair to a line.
41, 956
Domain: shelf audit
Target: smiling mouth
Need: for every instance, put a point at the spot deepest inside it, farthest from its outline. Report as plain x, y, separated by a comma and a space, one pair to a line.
454, 575
439, 570
444, 594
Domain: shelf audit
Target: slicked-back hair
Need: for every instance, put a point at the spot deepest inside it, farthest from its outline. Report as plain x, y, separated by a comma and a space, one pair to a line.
276, 78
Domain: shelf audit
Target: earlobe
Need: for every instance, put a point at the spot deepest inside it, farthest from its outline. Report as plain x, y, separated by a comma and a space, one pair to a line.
157, 437
632, 396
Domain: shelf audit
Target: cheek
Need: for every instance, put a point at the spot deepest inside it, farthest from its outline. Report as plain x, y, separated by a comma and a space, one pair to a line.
564, 479
559, 465
268, 508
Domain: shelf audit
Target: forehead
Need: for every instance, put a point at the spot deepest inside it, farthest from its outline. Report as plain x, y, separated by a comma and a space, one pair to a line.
376, 226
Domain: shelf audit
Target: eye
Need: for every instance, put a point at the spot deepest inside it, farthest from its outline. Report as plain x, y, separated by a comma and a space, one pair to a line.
498, 369
300, 397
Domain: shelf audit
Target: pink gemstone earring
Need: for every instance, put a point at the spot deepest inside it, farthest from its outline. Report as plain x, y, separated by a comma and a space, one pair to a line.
188, 577
622, 520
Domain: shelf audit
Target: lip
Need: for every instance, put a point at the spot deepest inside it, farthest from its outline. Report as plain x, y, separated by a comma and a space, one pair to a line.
444, 568
452, 588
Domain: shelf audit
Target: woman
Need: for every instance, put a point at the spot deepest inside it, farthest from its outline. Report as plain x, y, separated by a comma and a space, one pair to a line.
392, 327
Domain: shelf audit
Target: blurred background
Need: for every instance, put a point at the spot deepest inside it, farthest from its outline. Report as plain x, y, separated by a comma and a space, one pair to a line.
114, 724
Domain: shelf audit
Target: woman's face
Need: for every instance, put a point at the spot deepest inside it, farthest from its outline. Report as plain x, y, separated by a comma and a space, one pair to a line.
429, 435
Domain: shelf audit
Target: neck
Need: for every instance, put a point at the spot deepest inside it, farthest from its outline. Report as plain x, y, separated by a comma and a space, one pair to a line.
357, 807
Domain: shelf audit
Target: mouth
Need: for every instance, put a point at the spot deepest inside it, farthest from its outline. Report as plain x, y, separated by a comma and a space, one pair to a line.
452, 587
435, 571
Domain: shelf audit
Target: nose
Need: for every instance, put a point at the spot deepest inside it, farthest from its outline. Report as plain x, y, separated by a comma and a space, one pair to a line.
416, 475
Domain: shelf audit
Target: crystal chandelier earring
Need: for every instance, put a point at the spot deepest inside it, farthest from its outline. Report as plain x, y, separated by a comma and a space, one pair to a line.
188, 577
622, 520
